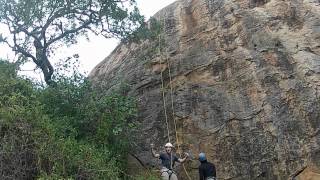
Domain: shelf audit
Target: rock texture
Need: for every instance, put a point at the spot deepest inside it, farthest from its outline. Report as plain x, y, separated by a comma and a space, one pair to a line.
245, 77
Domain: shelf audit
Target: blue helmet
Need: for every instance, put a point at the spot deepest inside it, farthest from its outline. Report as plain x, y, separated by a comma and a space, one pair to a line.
202, 157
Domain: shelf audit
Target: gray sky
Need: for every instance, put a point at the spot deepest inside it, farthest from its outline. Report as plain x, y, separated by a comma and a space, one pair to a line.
94, 51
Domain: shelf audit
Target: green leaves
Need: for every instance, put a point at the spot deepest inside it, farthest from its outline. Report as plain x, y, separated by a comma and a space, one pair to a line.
67, 131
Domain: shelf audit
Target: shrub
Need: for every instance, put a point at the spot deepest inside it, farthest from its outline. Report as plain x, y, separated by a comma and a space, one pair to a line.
66, 131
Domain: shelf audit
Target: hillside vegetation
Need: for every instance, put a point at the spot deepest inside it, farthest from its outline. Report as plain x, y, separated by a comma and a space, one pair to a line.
68, 131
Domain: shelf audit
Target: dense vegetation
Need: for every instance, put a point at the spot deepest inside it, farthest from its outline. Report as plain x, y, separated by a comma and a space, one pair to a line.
67, 131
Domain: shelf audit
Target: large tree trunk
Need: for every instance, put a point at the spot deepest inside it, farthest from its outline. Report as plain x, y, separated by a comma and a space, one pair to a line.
44, 64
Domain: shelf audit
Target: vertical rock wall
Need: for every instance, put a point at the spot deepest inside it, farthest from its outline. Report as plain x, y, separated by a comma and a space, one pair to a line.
245, 77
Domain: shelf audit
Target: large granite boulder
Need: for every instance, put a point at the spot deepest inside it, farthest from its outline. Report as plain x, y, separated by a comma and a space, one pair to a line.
245, 81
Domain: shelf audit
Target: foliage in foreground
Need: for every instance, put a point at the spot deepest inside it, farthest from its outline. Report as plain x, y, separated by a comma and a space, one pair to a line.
64, 132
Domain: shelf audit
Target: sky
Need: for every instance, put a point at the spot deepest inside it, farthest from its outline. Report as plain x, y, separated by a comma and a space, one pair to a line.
90, 52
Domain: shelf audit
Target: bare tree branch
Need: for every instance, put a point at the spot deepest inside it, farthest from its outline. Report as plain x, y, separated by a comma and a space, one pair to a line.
36, 27
21, 50
67, 32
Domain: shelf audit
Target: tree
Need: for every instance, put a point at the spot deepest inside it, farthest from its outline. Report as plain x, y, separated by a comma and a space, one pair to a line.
38, 27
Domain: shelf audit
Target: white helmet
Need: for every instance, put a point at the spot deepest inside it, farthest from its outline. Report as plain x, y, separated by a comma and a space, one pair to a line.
168, 145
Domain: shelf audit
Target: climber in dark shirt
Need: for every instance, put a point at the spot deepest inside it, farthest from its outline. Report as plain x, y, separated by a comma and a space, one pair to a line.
167, 161
207, 170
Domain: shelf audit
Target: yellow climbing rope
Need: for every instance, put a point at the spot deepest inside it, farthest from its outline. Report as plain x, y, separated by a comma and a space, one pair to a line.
162, 89
173, 115
172, 101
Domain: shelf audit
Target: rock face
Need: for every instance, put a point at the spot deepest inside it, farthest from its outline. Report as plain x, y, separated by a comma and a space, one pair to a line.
245, 81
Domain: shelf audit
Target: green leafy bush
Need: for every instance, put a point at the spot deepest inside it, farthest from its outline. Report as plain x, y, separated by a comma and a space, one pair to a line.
66, 131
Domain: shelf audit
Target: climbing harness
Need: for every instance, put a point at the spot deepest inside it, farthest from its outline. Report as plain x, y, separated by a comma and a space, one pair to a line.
170, 172
211, 178
172, 102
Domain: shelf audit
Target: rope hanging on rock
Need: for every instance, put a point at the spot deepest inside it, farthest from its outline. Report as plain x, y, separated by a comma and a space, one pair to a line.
163, 94
172, 100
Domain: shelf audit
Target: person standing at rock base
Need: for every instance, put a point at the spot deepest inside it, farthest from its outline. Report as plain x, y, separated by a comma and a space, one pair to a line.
168, 160
207, 170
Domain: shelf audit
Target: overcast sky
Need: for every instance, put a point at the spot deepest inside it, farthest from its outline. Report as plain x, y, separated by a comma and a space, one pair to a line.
98, 48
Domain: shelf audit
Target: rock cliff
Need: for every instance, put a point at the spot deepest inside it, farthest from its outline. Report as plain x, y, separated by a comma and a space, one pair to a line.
245, 81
